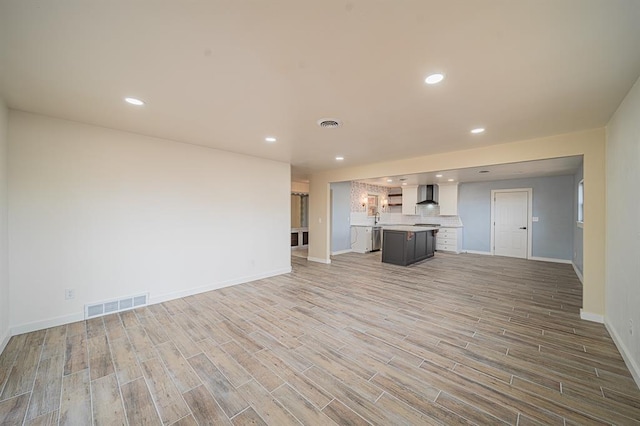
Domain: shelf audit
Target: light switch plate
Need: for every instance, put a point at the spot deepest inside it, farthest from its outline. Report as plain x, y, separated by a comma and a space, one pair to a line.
534, 219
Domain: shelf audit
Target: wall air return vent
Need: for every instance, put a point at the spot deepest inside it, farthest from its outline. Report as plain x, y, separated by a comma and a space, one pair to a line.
116, 305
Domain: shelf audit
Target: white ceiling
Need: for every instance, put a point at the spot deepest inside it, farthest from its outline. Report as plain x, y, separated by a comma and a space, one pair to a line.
528, 169
228, 73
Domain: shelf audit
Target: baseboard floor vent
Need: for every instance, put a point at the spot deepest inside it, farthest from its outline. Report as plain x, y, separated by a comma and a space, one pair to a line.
117, 305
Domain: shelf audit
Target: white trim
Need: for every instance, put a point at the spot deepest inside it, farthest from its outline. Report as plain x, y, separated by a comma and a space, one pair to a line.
590, 316
48, 323
551, 259
578, 273
632, 365
333, 253
486, 253
319, 260
79, 316
5, 340
529, 192
215, 286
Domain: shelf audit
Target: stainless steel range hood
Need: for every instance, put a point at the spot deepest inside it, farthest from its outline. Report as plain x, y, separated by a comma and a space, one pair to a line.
427, 195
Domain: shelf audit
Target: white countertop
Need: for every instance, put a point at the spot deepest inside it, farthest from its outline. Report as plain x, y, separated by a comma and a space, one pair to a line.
409, 228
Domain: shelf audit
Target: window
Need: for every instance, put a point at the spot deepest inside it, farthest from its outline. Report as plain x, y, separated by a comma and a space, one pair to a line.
581, 203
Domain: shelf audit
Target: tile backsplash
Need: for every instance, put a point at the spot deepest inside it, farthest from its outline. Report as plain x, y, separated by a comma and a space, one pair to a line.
428, 214
360, 190
361, 218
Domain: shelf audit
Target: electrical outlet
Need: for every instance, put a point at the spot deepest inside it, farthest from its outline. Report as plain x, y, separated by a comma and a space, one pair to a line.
631, 327
69, 293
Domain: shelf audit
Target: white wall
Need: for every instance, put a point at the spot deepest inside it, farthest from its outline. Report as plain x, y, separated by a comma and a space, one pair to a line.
300, 187
4, 275
112, 214
623, 233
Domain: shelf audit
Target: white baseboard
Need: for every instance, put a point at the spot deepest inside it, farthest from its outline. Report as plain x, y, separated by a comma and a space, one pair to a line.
539, 259
486, 253
333, 253
48, 323
632, 364
79, 316
590, 316
319, 260
550, 259
5, 340
215, 286
578, 273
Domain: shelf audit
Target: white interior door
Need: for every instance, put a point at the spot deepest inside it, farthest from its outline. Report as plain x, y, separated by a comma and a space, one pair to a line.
510, 223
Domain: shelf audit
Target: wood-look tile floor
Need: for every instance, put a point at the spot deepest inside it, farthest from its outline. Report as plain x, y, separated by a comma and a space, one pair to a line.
461, 339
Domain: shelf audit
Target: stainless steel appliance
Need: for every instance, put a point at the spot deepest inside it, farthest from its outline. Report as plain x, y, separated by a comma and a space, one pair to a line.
376, 238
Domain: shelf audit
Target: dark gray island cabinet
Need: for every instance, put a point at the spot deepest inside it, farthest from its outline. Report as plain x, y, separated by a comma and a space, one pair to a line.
404, 245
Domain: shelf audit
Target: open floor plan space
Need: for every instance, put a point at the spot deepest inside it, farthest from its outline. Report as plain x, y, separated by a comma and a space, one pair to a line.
458, 339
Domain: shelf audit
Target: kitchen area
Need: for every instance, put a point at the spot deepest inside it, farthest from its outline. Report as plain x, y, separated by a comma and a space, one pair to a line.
457, 209
408, 223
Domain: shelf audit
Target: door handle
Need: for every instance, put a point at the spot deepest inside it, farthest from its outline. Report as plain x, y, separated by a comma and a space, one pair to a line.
523, 227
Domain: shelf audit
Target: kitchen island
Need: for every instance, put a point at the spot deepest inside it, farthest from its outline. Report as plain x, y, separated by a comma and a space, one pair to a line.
406, 244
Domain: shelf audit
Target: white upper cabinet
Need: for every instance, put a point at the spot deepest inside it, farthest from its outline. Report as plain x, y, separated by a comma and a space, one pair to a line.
409, 199
448, 199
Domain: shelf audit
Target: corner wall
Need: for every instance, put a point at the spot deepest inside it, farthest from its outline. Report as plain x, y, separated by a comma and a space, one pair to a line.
113, 214
578, 262
4, 273
623, 234
341, 217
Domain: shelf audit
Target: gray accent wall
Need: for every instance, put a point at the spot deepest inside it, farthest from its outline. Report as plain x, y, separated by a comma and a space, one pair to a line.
577, 231
340, 216
552, 204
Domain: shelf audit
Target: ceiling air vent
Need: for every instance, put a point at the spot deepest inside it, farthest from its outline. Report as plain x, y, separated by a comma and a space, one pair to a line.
329, 123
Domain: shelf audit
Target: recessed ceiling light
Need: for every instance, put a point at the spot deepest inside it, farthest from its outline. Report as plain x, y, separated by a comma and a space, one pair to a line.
450, 180
389, 180
134, 101
434, 78
270, 139
478, 130
438, 175
339, 158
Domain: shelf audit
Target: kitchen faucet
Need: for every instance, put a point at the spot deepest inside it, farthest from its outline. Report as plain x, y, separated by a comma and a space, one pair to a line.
376, 218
